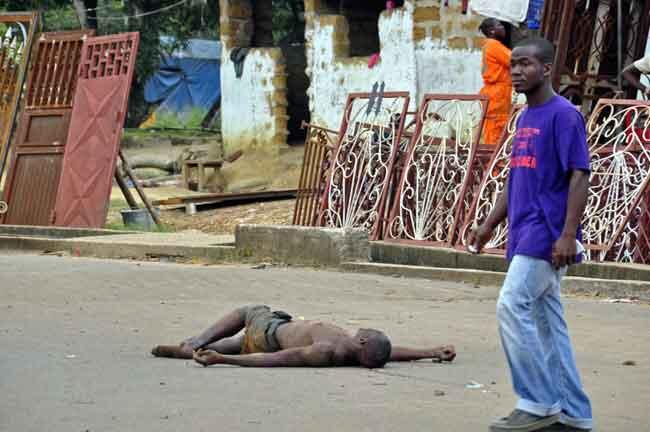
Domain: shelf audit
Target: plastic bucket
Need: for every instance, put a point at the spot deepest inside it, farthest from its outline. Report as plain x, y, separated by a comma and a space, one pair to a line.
139, 219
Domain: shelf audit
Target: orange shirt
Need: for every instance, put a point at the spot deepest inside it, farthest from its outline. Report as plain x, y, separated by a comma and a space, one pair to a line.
496, 63
498, 89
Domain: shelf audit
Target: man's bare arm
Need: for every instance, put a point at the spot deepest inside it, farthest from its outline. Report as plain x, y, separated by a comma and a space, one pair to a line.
633, 76
317, 355
565, 249
402, 354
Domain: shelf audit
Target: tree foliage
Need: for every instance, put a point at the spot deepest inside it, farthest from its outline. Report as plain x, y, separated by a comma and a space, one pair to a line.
192, 18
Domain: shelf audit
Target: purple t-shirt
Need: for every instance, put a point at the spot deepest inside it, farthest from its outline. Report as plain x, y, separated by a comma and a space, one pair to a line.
549, 143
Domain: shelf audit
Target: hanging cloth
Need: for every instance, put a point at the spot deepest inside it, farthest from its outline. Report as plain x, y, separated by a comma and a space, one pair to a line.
512, 11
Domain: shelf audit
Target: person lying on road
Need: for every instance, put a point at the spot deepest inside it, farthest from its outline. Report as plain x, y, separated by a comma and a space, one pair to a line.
274, 339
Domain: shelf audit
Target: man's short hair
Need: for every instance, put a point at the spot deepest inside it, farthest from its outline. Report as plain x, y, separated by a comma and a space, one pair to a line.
545, 51
377, 349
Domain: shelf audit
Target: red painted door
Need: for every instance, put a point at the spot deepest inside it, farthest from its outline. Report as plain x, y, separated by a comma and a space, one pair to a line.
98, 113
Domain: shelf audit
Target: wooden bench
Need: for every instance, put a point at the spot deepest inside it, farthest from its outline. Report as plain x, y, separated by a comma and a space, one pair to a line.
199, 165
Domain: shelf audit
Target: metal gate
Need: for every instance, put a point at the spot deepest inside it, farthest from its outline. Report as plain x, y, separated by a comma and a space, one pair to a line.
585, 34
642, 250
98, 114
35, 168
619, 143
438, 170
15, 47
618, 134
492, 185
362, 164
319, 145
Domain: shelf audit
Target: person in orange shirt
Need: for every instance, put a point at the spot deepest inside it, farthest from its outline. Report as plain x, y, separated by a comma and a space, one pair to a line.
496, 76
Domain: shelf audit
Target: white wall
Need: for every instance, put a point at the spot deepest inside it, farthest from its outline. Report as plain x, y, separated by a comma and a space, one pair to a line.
444, 70
332, 79
423, 67
247, 118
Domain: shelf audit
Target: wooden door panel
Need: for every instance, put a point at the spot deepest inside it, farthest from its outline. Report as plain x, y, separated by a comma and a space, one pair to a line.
33, 175
93, 142
34, 197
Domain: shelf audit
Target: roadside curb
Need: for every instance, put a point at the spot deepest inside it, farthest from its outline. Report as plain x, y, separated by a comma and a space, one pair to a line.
610, 288
100, 249
347, 250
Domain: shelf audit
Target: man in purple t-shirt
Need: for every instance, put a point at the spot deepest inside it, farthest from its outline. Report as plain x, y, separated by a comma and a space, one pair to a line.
544, 200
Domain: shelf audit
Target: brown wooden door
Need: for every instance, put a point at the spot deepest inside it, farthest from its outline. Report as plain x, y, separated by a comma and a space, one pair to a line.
99, 109
35, 169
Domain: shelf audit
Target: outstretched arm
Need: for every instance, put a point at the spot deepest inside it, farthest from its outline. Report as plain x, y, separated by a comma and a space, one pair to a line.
442, 353
633, 76
317, 355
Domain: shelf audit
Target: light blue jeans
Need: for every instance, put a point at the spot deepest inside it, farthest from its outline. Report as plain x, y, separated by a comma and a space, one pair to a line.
536, 341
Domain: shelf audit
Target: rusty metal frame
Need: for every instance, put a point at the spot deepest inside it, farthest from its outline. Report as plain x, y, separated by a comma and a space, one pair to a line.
584, 33
642, 246
361, 166
12, 75
616, 217
398, 167
320, 142
492, 185
439, 171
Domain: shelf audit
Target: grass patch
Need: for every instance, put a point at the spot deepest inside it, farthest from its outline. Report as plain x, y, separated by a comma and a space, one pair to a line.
187, 120
115, 222
171, 133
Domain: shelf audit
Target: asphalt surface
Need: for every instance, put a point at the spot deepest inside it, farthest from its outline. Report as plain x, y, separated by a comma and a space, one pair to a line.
75, 337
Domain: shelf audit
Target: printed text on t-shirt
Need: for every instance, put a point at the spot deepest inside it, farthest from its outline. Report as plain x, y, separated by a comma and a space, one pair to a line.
523, 149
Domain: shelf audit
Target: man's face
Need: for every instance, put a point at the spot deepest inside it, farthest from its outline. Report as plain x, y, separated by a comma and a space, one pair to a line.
527, 70
499, 31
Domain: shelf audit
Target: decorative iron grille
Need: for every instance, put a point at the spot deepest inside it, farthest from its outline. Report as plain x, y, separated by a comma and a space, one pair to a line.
438, 169
492, 185
362, 164
619, 143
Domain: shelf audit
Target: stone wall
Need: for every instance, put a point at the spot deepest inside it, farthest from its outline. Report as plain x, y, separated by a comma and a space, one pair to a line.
334, 74
253, 106
447, 48
426, 47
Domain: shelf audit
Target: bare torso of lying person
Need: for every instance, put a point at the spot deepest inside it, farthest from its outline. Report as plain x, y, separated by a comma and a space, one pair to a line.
296, 334
273, 338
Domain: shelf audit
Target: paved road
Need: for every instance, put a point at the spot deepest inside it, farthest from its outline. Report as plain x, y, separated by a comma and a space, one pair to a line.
75, 336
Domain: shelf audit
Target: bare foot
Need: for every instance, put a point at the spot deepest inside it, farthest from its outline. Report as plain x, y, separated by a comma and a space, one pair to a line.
207, 357
445, 353
182, 351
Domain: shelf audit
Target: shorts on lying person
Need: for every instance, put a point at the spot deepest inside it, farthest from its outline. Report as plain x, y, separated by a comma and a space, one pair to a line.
261, 326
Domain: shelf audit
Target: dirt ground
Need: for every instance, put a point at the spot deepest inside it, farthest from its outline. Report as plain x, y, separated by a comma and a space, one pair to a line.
224, 220
76, 334
252, 172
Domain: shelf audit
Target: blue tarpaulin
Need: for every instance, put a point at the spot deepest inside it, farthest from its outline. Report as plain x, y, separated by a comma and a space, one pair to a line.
535, 9
187, 79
